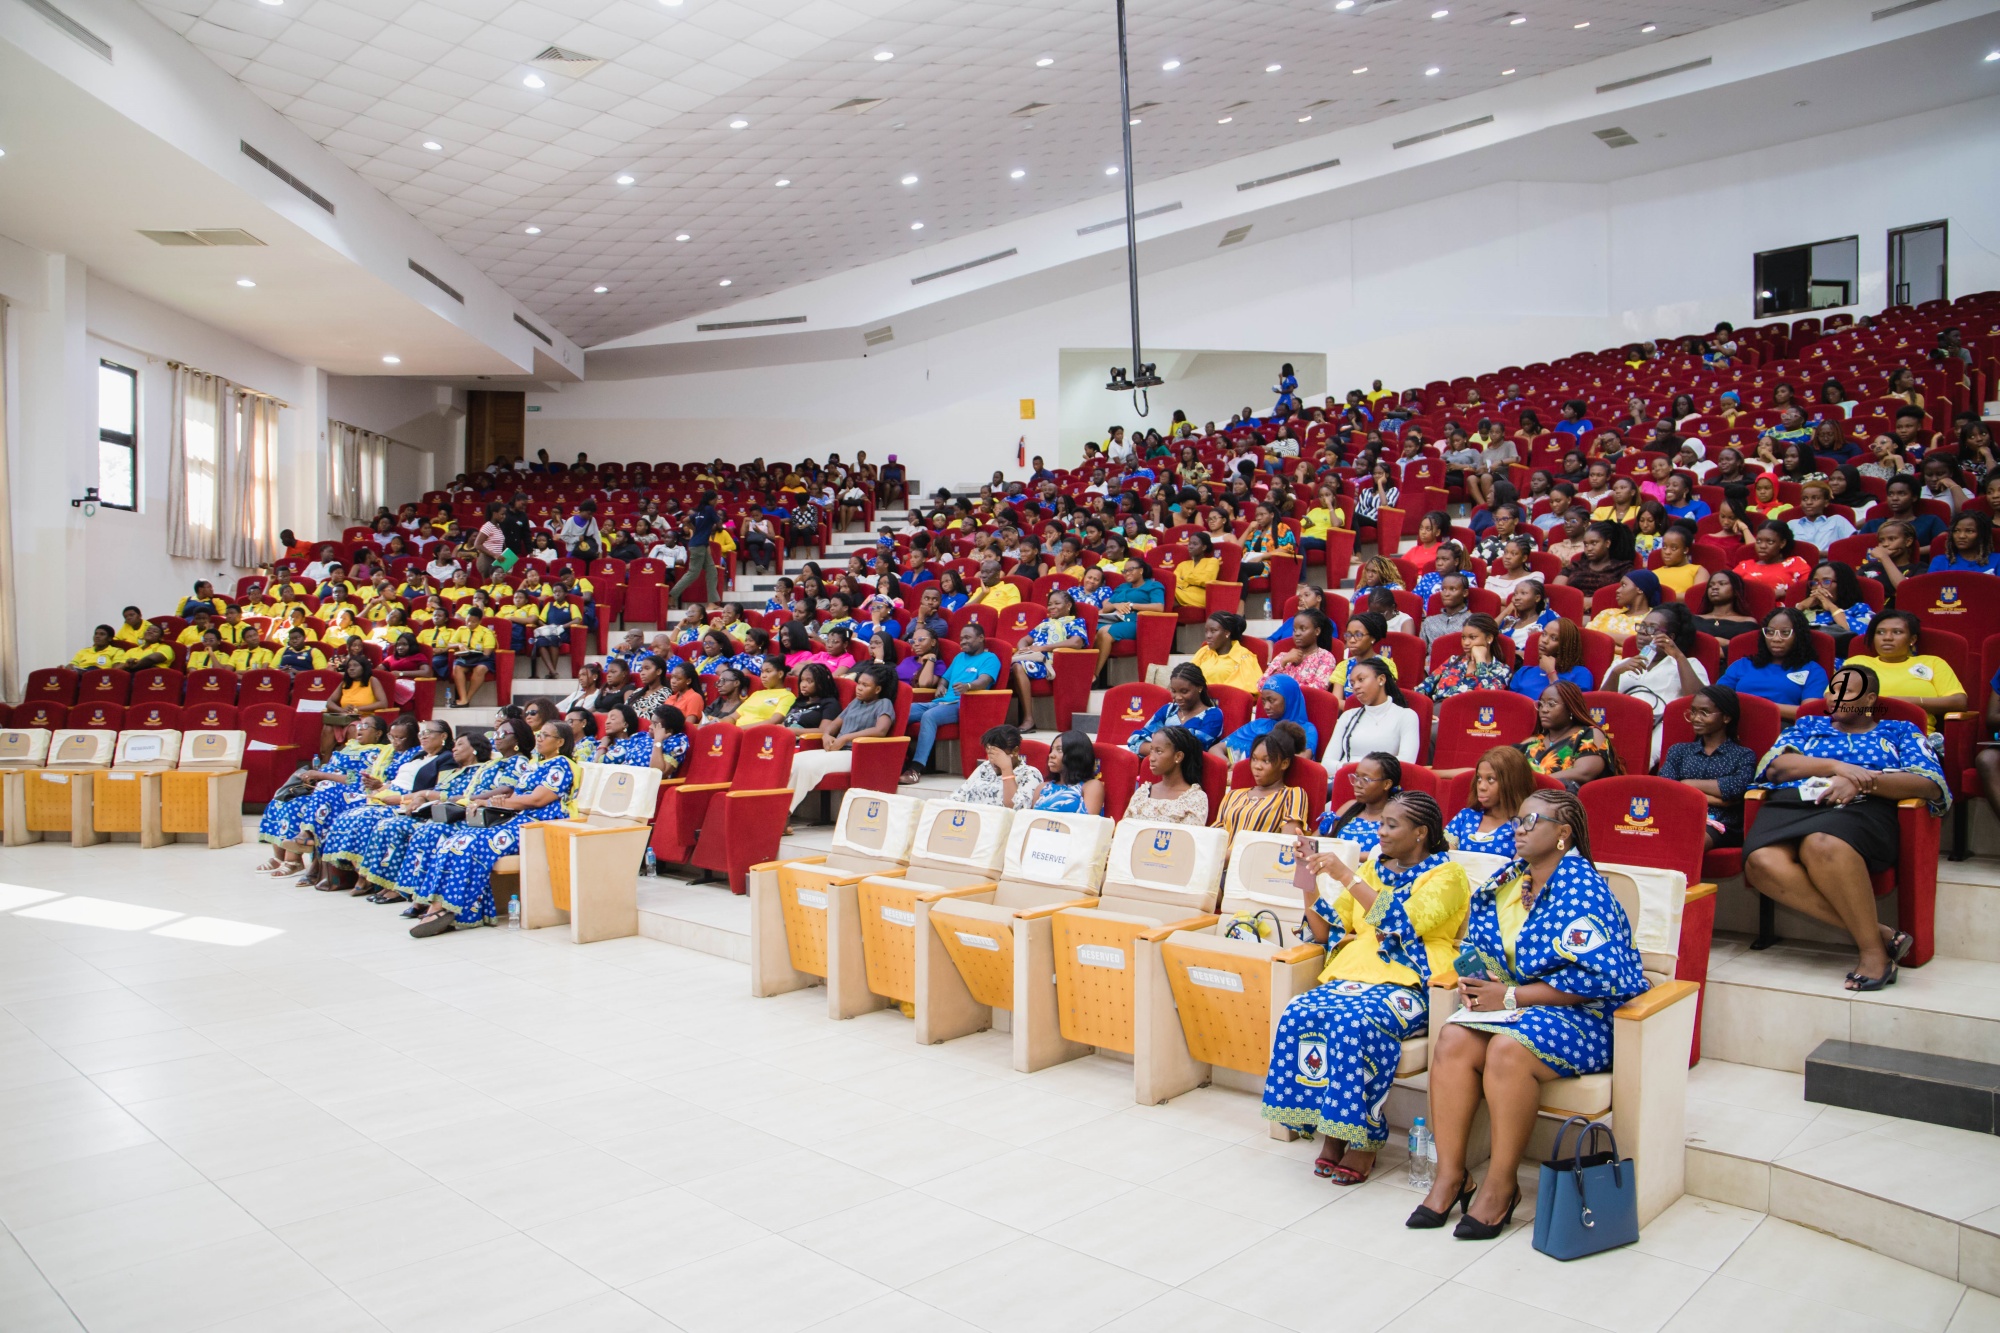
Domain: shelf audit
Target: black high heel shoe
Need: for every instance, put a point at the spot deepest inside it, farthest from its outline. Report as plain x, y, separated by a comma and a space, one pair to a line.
1426, 1218
1471, 1228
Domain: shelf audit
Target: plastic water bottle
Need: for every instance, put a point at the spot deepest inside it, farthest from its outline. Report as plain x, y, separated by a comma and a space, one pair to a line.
1423, 1157
514, 921
652, 862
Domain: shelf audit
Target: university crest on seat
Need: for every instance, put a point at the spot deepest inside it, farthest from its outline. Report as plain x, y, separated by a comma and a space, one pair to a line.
1638, 817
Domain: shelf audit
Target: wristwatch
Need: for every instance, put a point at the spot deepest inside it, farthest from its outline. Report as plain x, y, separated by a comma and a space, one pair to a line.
1507, 1000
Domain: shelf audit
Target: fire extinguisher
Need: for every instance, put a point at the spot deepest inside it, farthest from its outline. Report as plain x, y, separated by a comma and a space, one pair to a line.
1021, 452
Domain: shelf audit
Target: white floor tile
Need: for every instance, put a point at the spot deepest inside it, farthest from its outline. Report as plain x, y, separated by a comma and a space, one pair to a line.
1162, 1236
194, 1288
1806, 1263
902, 1238
85, 1245
1034, 1284
1026, 1190
474, 1289
633, 1239
1251, 1281
370, 1238
64, 1189
738, 1290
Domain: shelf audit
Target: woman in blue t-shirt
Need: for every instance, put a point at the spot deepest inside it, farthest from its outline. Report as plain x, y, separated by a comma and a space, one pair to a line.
1784, 668
1558, 656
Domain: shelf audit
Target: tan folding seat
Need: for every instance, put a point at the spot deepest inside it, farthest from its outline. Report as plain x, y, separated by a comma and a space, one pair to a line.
20, 750
58, 797
125, 798
202, 796
583, 872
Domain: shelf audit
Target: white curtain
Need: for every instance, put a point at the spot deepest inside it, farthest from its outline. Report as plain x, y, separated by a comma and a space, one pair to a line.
253, 481
10, 665
222, 470
200, 421
359, 459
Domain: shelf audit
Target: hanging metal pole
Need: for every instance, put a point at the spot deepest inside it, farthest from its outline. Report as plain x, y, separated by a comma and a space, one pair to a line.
1141, 376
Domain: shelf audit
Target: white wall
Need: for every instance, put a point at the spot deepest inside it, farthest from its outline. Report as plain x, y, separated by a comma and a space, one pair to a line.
1208, 386
426, 420
1505, 273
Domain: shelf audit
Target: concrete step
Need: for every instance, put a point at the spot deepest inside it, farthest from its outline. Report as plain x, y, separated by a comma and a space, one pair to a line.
1936, 1089
1924, 1194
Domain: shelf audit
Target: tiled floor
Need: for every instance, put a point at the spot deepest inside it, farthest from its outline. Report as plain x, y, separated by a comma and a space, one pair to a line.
229, 1103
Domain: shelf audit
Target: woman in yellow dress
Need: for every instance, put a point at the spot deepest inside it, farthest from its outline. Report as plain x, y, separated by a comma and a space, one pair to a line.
1393, 924
1193, 575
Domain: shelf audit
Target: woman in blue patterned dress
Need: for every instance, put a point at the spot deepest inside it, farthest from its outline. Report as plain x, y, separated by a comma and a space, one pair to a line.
1092, 591
474, 770
670, 739
583, 725
284, 821
1189, 705
625, 741
1073, 786
1392, 925
1548, 955
1377, 779
1034, 656
458, 885
348, 836
401, 867
1500, 783
1830, 823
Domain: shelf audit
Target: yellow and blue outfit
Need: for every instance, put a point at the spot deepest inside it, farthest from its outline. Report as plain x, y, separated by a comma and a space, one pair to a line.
1575, 938
1334, 1055
1046, 638
460, 877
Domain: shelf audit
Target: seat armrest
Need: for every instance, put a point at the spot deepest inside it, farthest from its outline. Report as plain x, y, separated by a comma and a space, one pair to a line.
1696, 892
1050, 909
967, 891
790, 861
758, 791
1444, 981
1660, 997
1195, 923
705, 786
1299, 953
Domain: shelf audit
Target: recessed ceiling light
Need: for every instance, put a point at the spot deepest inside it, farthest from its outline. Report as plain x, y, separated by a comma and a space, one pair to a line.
434, 145
683, 237
1440, 13
533, 81
1224, 121
1304, 119
1272, 69
725, 282
246, 282
1134, 121
533, 231
1016, 173
916, 226
1432, 70
1650, 27
782, 182
600, 290
1343, 4
1505, 72
1517, 20
1111, 171
392, 360
274, 2
739, 124
910, 180
1171, 64
1045, 62
1992, 56
671, 4
885, 55
1580, 26
1362, 70
625, 180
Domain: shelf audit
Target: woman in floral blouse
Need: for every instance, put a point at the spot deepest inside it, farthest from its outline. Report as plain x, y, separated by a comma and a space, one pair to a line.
1565, 744
1476, 666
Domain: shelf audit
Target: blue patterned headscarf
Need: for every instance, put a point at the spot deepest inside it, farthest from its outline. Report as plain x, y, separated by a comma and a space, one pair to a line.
1247, 735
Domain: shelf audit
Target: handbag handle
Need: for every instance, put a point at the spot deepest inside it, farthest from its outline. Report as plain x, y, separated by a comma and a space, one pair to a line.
1587, 1135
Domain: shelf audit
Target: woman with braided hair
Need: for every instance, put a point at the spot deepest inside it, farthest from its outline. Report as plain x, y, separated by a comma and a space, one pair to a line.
1548, 956
1388, 927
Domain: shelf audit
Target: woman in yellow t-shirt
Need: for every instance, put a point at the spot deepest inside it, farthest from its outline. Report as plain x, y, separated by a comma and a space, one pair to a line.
1193, 575
770, 701
1222, 658
1372, 993
1677, 569
1926, 681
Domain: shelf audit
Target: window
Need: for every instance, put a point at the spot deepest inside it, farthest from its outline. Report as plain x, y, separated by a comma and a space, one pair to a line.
1804, 278
117, 436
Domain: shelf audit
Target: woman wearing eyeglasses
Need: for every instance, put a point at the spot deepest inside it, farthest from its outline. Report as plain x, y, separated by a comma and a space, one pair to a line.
1548, 956
1830, 822
1388, 928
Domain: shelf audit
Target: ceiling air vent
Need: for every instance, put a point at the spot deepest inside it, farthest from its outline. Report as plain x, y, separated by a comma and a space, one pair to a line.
876, 337
285, 176
435, 281
1615, 137
1439, 134
750, 324
537, 332
1234, 234
1145, 106
1288, 175
97, 46
960, 268
1137, 217
855, 106
202, 236
1031, 109
1669, 72
571, 63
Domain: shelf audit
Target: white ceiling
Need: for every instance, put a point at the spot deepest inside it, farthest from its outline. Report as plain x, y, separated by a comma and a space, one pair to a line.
373, 79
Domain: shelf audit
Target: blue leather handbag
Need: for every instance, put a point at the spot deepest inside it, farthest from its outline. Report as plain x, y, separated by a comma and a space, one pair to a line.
1588, 1203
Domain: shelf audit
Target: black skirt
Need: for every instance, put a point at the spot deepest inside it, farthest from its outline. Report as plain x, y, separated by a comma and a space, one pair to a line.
1869, 826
